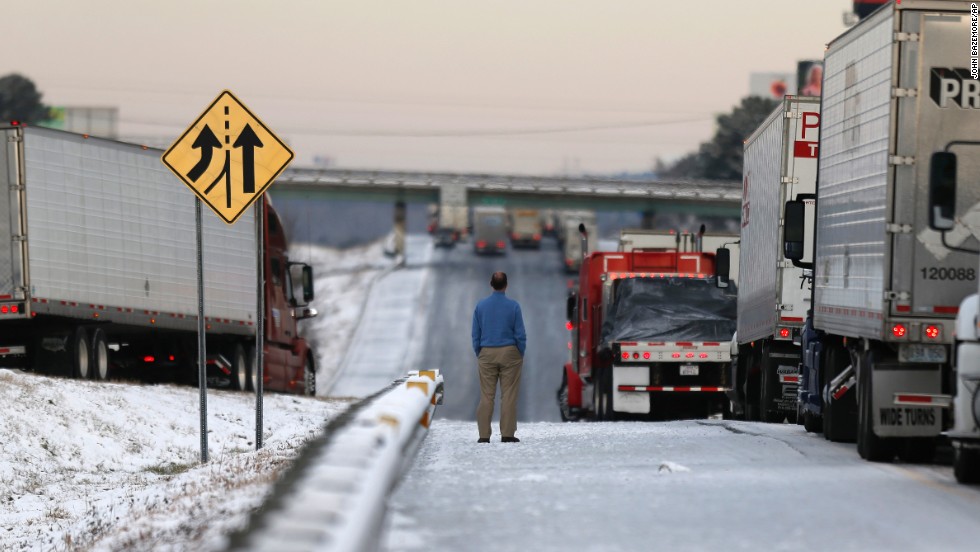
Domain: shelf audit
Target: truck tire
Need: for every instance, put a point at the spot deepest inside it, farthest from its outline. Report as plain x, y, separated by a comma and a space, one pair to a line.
80, 356
811, 422
966, 465
838, 423
767, 390
309, 377
602, 400
751, 386
253, 368
563, 408
100, 355
240, 373
870, 446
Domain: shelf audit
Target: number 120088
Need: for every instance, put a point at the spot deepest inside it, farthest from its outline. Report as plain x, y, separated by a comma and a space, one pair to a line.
936, 273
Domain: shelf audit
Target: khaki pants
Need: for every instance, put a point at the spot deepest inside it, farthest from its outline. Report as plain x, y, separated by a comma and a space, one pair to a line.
504, 364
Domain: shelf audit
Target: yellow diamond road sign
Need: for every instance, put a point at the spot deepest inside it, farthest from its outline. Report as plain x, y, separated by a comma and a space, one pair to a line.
228, 157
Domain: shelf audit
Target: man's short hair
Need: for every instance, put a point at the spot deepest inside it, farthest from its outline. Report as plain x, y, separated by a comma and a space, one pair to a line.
498, 281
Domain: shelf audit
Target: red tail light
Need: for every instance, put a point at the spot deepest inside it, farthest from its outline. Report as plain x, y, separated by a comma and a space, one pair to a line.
626, 356
148, 359
14, 309
932, 332
703, 355
646, 355
898, 330
4, 309
569, 345
515, 236
569, 326
689, 355
783, 332
675, 355
481, 244
500, 245
537, 237
636, 356
172, 358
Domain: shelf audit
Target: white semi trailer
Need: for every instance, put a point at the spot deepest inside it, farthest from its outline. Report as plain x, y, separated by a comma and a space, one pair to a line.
780, 163
897, 90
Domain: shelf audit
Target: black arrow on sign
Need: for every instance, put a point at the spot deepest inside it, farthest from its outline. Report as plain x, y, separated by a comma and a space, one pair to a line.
206, 141
248, 141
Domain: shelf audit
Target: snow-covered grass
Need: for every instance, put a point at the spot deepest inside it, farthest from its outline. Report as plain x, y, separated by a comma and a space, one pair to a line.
108, 466
111, 466
343, 280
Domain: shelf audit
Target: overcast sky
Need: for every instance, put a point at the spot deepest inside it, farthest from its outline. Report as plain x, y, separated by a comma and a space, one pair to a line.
448, 85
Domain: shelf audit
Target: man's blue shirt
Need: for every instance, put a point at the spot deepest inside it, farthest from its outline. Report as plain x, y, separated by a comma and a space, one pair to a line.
497, 322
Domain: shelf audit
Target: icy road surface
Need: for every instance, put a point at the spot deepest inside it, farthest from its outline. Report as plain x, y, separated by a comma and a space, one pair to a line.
689, 485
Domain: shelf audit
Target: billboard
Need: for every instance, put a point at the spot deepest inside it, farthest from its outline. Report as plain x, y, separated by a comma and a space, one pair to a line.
809, 77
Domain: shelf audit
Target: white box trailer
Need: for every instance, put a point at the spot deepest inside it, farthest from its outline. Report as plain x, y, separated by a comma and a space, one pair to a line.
99, 234
780, 163
896, 90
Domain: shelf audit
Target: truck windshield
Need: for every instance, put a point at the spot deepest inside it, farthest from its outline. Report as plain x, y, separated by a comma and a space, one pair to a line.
669, 309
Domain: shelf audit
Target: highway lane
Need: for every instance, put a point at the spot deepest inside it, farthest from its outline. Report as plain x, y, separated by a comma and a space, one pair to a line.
460, 278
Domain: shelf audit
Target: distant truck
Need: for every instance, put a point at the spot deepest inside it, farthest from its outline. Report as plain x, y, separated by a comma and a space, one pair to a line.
886, 286
490, 230
651, 335
98, 271
525, 228
451, 224
780, 163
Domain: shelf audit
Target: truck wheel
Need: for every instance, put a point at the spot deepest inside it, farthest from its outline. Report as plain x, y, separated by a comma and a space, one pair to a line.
870, 446
253, 368
563, 398
767, 399
603, 397
811, 422
81, 360
309, 378
966, 465
239, 368
100, 355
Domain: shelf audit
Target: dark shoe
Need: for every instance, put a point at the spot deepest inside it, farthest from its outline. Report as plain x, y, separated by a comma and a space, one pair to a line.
509, 440
483, 440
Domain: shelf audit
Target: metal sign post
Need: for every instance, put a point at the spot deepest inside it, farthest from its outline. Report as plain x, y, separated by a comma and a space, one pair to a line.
202, 368
260, 323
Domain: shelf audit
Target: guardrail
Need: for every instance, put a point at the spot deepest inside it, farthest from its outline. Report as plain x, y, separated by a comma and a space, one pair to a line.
333, 498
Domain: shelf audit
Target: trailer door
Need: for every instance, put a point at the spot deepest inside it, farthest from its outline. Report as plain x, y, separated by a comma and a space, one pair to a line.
947, 116
11, 222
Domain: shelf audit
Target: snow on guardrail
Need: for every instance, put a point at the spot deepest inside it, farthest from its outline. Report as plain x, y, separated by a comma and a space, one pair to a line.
333, 498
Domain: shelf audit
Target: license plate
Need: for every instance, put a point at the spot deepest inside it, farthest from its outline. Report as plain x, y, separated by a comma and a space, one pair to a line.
689, 370
914, 352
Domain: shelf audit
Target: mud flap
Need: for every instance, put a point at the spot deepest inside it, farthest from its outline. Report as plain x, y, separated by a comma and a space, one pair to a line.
891, 420
631, 402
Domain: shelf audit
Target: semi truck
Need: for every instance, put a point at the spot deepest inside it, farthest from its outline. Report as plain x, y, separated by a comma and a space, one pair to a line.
525, 228
98, 271
490, 230
780, 163
897, 91
650, 335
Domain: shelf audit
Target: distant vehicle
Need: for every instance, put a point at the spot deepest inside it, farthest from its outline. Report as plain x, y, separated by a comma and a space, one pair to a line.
451, 225
98, 271
549, 224
525, 228
899, 108
490, 230
774, 295
651, 335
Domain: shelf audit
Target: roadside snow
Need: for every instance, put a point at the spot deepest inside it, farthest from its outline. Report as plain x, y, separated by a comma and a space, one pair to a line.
108, 466
343, 281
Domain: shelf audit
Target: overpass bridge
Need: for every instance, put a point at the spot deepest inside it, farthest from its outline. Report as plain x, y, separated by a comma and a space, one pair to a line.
701, 198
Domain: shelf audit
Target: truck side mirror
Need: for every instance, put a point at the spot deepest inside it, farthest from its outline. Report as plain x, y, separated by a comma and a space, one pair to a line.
794, 217
723, 263
307, 283
942, 191
570, 306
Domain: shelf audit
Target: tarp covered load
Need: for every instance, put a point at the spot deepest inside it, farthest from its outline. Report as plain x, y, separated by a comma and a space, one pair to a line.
669, 309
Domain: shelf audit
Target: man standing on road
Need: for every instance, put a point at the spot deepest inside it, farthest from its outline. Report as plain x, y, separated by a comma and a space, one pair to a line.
499, 341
